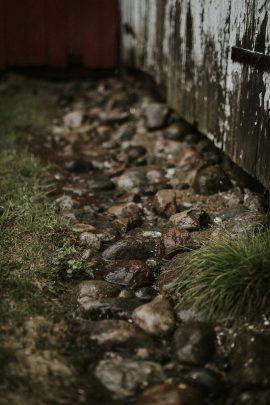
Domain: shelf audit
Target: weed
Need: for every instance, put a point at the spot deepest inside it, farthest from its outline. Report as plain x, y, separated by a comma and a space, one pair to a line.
229, 277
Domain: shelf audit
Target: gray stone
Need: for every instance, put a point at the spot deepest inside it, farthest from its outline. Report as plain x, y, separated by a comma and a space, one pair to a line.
156, 114
156, 317
194, 343
123, 377
191, 220
96, 289
128, 273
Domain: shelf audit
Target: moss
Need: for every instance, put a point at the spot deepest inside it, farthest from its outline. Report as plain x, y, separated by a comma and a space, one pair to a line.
229, 277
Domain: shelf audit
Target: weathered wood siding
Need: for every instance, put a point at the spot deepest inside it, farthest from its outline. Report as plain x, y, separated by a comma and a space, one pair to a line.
186, 46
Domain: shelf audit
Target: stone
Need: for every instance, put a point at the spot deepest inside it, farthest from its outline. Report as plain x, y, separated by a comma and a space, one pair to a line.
169, 273
128, 273
254, 201
96, 289
73, 119
130, 180
146, 293
79, 166
132, 249
117, 333
123, 377
135, 152
79, 228
210, 180
130, 211
156, 114
90, 240
176, 240
104, 308
194, 343
177, 131
170, 394
101, 185
191, 220
165, 202
229, 213
250, 358
65, 202
253, 397
205, 379
156, 317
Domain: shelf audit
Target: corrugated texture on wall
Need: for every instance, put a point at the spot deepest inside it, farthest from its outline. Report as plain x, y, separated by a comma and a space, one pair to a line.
186, 46
53, 32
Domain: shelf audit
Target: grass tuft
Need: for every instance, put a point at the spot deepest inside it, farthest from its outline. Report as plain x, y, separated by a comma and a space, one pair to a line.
229, 277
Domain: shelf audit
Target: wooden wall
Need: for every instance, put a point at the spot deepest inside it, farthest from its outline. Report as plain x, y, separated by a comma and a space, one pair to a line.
186, 46
54, 32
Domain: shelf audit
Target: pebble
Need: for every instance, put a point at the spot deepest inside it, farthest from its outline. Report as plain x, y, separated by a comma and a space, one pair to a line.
176, 240
130, 211
194, 343
156, 114
96, 289
83, 228
128, 273
190, 220
73, 119
210, 180
170, 394
114, 333
130, 180
131, 249
165, 202
155, 318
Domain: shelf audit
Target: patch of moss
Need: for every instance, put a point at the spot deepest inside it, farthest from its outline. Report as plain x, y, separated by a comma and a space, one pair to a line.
229, 277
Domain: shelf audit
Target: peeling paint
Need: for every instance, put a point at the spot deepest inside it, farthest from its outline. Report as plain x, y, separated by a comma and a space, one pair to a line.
185, 45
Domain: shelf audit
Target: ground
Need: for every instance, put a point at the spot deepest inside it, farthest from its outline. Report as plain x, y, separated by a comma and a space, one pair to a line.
109, 201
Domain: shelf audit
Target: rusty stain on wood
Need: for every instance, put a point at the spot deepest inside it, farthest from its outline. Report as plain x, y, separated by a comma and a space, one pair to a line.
186, 46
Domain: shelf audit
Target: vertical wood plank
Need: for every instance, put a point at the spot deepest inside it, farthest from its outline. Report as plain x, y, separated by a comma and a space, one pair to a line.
16, 24
90, 32
107, 33
74, 27
35, 37
56, 26
2, 35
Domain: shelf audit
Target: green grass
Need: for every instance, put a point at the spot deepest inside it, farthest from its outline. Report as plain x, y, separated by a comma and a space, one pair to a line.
229, 277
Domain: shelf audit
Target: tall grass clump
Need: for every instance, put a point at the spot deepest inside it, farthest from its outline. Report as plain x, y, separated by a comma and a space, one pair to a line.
229, 277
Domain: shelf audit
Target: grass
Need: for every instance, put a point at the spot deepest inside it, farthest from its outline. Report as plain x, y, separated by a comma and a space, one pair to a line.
229, 277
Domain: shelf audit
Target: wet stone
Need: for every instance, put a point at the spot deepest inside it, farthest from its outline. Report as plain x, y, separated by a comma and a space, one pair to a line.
250, 358
177, 131
146, 293
116, 333
191, 220
101, 185
194, 343
123, 377
210, 180
79, 166
129, 211
96, 289
104, 308
156, 114
135, 152
128, 273
205, 379
170, 394
155, 318
176, 240
132, 249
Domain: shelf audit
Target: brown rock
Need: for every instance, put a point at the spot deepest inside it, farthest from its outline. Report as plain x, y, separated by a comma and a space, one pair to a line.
129, 273
83, 228
156, 114
170, 394
165, 202
176, 240
192, 219
130, 214
155, 318
96, 289
210, 180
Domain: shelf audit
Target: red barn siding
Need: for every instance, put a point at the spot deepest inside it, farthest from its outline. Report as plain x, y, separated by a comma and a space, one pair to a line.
47, 32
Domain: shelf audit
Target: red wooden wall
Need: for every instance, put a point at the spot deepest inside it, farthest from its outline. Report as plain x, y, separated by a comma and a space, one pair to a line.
46, 32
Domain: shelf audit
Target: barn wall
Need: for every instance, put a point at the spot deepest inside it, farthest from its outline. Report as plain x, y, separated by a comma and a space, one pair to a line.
186, 46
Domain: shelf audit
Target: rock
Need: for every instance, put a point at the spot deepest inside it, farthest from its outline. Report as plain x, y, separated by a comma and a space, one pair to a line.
135, 152
126, 294
79, 228
155, 176
104, 308
194, 343
65, 202
129, 211
123, 377
188, 159
255, 202
205, 379
128, 273
146, 293
101, 185
169, 274
188, 312
210, 180
132, 249
250, 358
176, 240
115, 333
253, 397
96, 289
229, 213
165, 202
73, 119
177, 131
130, 180
79, 166
170, 394
114, 117
91, 240
191, 220
156, 114
155, 318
